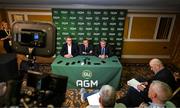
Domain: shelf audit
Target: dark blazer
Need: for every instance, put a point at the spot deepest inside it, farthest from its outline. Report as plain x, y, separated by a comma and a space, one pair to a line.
87, 50
134, 98
6, 44
107, 51
166, 76
74, 50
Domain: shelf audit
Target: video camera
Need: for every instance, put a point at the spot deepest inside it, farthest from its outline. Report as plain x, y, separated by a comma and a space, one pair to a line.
32, 38
38, 39
37, 35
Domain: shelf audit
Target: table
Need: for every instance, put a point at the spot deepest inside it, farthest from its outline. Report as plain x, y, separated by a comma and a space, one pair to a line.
88, 71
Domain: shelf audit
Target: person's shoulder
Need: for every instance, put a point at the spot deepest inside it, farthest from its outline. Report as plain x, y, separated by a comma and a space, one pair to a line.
90, 46
81, 45
120, 105
165, 70
2, 31
98, 46
92, 106
107, 45
65, 44
74, 44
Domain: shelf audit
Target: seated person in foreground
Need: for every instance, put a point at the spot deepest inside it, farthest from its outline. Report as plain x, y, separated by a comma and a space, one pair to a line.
85, 48
159, 92
102, 51
134, 98
107, 98
69, 49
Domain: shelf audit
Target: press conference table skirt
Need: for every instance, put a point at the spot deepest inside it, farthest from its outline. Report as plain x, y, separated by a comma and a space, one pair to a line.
88, 71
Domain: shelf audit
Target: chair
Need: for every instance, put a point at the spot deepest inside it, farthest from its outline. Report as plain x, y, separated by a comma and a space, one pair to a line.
175, 97
175, 92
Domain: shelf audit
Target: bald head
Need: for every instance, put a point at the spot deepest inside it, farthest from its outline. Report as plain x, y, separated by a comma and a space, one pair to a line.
156, 65
156, 61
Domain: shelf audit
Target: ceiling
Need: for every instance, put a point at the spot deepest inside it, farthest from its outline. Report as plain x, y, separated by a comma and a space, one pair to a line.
163, 5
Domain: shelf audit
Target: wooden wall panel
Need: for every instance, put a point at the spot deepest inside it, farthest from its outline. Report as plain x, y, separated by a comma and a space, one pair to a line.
0, 15
146, 48
1, 47
29, 10
143, 27
39, 18
143, 30
175, 42
3, 15
126, 27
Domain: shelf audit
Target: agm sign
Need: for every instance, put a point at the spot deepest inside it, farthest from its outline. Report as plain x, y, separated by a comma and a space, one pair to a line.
87, 75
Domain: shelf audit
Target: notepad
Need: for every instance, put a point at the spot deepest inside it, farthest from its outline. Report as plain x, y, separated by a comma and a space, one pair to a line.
93, 99
134, 83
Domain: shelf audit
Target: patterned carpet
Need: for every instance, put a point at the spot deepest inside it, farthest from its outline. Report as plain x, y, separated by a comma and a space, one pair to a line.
129, 71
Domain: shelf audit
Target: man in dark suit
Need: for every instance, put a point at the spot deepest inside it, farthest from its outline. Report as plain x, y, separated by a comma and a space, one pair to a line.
134, 98
69, 49
103, 51
85, 48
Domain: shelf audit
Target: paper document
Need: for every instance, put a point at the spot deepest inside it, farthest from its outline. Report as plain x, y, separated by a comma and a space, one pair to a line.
133, 82
93, 99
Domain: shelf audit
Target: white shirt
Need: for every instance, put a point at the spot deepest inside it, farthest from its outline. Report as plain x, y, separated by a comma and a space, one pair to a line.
154, 105
69, 49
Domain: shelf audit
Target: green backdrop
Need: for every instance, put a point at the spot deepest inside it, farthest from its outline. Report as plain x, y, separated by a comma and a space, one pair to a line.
94, 24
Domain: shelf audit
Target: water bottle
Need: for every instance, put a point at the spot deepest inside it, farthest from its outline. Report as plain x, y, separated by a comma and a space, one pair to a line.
38, 85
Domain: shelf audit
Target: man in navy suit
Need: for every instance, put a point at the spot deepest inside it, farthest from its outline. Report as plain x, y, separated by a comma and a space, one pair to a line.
134, 98
103, 51
69, 49
85, 48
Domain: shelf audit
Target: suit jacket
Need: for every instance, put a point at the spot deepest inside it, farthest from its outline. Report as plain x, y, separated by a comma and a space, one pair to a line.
6, 44
87, 50
3, 34
107, 51
163, 75
135, 98
166, 76
74, 50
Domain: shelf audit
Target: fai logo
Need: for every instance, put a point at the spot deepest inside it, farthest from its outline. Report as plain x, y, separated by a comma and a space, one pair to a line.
86, 74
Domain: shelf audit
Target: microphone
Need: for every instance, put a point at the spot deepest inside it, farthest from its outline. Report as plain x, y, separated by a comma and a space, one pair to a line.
84, 60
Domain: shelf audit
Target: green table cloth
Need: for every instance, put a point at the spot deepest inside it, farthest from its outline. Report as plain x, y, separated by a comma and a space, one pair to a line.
88, 71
